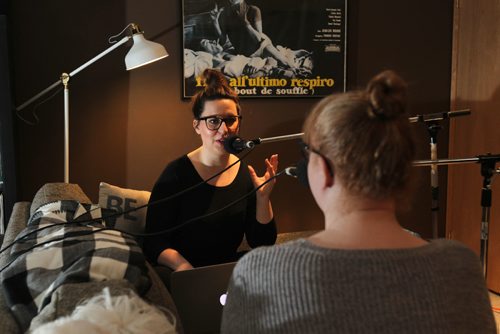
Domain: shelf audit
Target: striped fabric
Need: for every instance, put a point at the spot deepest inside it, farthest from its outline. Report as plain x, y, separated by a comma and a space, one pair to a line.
66, 242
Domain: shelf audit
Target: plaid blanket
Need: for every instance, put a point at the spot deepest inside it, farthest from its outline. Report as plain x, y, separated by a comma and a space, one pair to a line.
67, 252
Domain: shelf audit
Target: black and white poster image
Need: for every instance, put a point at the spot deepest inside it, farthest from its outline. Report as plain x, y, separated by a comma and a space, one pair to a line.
267, 48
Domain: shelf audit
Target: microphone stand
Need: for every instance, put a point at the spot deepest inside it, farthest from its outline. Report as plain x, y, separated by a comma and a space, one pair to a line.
277, 138
433, 131
488, 169
418, 118
433, 128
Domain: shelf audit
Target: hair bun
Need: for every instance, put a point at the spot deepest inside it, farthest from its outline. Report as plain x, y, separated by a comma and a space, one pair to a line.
387, 95
216, 88
215, 81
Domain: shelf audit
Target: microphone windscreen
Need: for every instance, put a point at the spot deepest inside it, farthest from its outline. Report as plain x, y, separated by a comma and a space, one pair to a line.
229, 144
291, 171
302, 172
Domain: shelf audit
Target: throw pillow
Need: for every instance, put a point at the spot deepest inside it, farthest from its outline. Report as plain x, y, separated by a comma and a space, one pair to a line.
122, 199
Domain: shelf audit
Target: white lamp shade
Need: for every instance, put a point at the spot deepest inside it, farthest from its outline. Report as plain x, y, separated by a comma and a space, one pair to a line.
143, 52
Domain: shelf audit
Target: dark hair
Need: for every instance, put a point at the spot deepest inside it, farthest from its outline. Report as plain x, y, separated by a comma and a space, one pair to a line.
216, 88
367, 137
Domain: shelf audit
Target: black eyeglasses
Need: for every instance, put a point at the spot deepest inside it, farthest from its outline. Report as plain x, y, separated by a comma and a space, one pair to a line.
306, 152
215, 122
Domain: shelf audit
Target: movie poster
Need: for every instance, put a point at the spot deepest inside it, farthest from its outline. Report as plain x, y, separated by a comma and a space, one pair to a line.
267, 48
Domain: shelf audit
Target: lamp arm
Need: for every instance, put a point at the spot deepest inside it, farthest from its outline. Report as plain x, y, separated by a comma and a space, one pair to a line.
34, 98
88, 63
100, 55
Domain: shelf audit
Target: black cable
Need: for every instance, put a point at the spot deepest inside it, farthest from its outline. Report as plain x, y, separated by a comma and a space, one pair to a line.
132, 209
47, 242
182, 192
18, 239
33, 112
189, 221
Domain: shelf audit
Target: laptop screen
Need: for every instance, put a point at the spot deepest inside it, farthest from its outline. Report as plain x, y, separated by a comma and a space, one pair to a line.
199, 295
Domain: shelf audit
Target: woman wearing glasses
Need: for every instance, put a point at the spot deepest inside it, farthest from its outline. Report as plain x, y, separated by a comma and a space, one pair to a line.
213, 239
364, 273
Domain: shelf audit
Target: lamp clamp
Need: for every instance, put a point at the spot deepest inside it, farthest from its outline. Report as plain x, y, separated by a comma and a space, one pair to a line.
134, 28
65, 79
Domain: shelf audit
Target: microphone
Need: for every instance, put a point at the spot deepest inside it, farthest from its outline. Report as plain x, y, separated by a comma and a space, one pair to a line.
299, 172
291, 171
235, 144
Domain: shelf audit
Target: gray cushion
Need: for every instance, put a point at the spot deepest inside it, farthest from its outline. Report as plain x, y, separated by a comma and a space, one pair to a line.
51, 192
123, 199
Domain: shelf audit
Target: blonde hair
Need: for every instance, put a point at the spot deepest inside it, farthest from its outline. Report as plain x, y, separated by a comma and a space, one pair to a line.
366, 137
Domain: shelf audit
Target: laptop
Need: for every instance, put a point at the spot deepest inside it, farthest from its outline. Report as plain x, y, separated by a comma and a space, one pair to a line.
199, 295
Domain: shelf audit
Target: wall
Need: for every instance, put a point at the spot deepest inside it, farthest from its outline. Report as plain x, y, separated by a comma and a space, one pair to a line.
52, 37
476, 85
7, 153
126, 126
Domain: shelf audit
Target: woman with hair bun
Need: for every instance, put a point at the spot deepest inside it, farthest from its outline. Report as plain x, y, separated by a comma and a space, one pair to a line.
214, 239
363, 273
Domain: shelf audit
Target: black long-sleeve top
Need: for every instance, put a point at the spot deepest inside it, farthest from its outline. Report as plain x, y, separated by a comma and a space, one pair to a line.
209, 240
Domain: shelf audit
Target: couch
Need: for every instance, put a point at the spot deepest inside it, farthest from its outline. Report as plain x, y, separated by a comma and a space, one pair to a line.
66, 297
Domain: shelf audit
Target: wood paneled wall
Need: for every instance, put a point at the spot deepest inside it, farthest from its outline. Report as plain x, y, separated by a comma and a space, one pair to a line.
475, 85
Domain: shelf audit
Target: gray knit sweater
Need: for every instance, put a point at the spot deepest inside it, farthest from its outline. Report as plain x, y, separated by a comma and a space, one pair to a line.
298, 287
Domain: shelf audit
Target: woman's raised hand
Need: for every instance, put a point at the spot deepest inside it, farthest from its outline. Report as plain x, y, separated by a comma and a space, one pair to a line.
271, 168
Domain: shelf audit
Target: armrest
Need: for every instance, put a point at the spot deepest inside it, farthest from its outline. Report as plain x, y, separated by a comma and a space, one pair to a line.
17, 222
18, 219
281, 238
159, 295
289, 236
